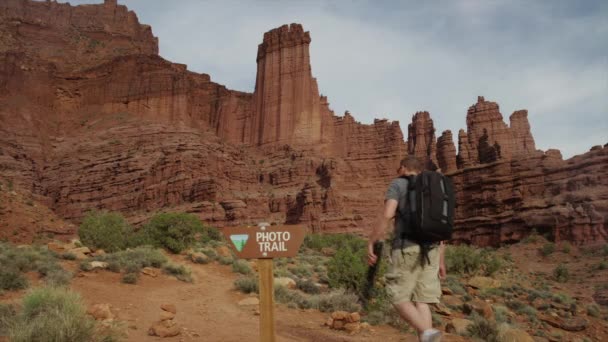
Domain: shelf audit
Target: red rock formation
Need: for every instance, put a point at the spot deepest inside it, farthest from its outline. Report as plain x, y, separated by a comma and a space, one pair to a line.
421, 138
504, 201
286, 99
446, 152
109, 124
489, 138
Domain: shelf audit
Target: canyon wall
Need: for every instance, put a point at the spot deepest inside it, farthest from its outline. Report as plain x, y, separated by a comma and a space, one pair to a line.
91, 117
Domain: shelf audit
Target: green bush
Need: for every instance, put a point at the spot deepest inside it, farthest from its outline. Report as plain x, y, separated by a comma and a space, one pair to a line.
173, 231
336, 300
7, 313
131, 260
483, 329
593, 311
130, 278
247, 284
547, 249
105, 230
208, 234
59, 277
561, 273
12, 279
241, 266
466, 260
348, 268
566, 247
307, 286
52, 314
179, 271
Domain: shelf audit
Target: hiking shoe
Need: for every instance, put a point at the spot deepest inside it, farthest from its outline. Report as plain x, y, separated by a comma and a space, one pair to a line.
431, 335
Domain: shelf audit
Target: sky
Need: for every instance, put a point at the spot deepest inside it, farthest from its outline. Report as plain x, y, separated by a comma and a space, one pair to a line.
390, 59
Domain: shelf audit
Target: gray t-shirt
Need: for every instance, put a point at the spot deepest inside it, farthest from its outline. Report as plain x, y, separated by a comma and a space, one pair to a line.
397, 190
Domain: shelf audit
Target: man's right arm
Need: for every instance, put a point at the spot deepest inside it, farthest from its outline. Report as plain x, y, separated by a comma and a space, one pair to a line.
379, 231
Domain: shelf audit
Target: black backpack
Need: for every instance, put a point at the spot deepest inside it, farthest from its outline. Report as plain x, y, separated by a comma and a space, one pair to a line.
429, 209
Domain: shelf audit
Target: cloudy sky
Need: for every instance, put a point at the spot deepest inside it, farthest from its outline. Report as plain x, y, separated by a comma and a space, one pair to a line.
389, 59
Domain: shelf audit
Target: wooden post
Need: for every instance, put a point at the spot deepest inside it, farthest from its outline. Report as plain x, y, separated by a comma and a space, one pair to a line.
266, 300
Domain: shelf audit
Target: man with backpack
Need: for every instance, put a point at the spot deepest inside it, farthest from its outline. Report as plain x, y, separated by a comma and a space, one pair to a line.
422, 205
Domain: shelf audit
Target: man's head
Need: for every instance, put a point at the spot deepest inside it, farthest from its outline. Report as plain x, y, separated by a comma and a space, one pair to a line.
409, 165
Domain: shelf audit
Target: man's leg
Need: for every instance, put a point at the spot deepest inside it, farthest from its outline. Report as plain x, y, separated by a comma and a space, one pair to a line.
416, 317
425, 313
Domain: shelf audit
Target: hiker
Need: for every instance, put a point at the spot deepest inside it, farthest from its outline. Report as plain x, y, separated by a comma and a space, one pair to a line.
412, 283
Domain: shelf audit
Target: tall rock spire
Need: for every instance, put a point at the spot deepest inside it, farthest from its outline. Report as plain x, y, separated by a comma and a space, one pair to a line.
286, 102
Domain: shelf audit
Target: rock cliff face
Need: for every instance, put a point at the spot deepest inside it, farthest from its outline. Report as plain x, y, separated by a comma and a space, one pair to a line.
92, 117
489, 139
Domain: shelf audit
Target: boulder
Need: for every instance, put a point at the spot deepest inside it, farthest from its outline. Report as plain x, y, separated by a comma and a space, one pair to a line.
166, 315
286, 282
169, 307
249, 301
514, 335
458, 326
100, 311
150, 271
98, 265
166, 328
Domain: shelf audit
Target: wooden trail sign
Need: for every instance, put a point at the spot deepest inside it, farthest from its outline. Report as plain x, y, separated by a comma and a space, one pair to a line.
264, 243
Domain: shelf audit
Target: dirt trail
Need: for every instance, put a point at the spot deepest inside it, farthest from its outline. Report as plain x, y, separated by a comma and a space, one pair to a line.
207, 310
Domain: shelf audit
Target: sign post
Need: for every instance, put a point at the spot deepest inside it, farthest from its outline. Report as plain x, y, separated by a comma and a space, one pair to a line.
264, 243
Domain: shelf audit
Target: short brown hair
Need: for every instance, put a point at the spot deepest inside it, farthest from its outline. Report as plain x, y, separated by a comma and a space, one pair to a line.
411, 163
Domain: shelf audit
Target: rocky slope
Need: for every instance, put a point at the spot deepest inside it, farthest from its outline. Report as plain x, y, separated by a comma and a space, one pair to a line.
92, 117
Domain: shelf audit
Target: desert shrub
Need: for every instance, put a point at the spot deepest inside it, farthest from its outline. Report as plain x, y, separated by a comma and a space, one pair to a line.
532, 238
483, 329
68, 256
14, 261
348, 267
133, 260
547, 249
225, 260
173, 231
561, 273
130, 278
208, 234
605, 250
12, 279
292, 298
603, 265
178, 271
301, 271
210, 252
566, 247
241, 266
7, 313
52, 314
563, 298
105, 230
501, 314
593, 311
454, 284
58, 277
247, 284
308, 286
336, 300
466, 260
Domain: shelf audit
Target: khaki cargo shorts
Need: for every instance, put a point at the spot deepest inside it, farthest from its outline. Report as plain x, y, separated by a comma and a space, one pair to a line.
408, 281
